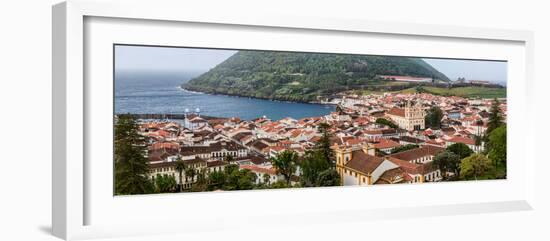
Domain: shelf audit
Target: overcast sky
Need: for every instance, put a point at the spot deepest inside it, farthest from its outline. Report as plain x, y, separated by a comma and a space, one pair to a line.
168, 59
471, 69
190, 59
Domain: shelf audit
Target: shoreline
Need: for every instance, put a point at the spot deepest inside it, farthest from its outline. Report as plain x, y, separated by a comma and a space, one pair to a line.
258, 98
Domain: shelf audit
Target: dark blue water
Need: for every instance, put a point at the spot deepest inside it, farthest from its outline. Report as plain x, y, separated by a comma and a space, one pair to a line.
160, 93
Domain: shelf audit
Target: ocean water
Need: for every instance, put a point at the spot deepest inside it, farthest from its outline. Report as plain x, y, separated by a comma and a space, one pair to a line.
160, 93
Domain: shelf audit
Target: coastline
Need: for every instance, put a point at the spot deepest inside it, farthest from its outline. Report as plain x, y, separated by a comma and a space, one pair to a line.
253, 97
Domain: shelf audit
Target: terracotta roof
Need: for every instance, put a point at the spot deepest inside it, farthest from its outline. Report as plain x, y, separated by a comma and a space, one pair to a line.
384, 144
254, 168
414, 168
277, 148
258, 160
465, 140
259, 145
364, 163
164, 145
416, 153
396, 112
390, 176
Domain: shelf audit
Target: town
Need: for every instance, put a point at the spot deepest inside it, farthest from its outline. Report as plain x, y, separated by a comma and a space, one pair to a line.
372, 139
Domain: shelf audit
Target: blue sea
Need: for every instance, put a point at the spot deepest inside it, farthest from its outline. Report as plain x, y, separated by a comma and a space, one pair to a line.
140, 92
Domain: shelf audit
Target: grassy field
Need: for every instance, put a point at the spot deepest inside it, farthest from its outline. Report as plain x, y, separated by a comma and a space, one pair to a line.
467, 92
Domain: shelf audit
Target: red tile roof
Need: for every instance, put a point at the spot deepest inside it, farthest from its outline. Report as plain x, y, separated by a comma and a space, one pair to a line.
396, 112
364, 163
385, 143
254, 168
416, 153
465, 140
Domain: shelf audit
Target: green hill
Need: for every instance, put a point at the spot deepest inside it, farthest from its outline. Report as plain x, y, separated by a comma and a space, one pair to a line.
303, 76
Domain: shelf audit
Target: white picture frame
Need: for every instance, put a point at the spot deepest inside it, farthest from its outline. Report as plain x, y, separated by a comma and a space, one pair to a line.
72, 115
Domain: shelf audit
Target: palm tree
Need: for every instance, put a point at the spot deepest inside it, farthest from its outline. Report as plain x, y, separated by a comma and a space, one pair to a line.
180, 168
229, 158
285, 163
266, 178
190, 172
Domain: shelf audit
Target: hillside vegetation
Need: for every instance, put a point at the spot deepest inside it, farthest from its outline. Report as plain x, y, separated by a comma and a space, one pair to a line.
467, 92
303, 76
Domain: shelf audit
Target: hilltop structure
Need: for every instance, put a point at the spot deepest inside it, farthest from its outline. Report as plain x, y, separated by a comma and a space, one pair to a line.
409, 118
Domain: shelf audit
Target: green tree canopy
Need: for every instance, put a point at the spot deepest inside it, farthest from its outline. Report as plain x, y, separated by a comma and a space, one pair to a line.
190, 174
386, 122
239, 179
228, 158
495, 117
329, 177
285, 163
280, 184
180, 168
433, 117
131, 165
461, 149
265, 178
474, 167
165, 183
497, 146
323, 145
216, 180
447, 161
312, 164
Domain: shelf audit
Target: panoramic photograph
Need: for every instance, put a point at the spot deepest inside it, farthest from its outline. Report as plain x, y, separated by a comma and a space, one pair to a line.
202, 119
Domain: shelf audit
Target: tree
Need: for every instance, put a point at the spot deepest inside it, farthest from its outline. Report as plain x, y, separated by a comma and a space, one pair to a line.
386, 122
329, 177
279, 184
433, 117
495, 117
312, 165
324, 143
497, 146
165, 183
180, 168
201, 184
474, 166
478, 140
461, 149
247, 179
447, 161
228, 158
285, 163
190, 173
239, 179
216, 180
266, 177
131, 165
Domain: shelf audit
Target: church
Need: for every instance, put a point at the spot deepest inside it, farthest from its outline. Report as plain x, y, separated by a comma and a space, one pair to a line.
361, 166
409, 118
